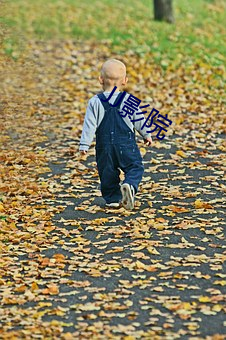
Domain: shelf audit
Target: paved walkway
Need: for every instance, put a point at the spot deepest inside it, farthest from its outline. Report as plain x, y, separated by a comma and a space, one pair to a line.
79, 271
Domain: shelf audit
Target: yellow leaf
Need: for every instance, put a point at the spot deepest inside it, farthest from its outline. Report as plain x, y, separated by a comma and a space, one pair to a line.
67, 336
12, 225
1, 208
204, 299
116, 250
187, 305
153, 251
181, 153
143, 151
78, 239
140, 265
155, 161
160, 227
44, 304
217, 308
222, 282
192, 326
200, 204
38, 315
158, 289
99, 221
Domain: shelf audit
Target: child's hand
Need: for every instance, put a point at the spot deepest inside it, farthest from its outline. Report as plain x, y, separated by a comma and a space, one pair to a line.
148, 141
83, 152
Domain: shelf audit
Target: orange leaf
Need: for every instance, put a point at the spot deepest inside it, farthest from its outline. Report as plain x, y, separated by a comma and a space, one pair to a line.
34, 286
59, 257
20, 289
200, 204
53, 289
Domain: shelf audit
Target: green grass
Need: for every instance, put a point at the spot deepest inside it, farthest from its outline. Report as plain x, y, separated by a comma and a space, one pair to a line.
198, 31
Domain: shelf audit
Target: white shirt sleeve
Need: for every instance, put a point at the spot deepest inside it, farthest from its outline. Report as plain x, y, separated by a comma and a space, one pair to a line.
89, 127
139, 123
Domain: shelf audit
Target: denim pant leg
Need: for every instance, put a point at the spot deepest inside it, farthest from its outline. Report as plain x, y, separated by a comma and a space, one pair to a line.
131, 164
107, 166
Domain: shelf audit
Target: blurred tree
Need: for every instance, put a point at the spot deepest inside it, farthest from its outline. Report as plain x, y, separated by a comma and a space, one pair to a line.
163, 10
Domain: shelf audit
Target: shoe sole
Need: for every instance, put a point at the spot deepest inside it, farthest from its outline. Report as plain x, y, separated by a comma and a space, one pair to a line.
114, 206
127, 197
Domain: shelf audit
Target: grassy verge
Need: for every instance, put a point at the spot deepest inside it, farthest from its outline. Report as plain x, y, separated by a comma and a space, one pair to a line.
198, 32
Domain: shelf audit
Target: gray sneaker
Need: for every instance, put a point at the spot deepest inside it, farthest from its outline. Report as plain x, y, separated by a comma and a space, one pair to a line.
128, 194
113, 205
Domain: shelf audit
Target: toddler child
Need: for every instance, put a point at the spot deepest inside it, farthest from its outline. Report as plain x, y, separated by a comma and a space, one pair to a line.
116, 146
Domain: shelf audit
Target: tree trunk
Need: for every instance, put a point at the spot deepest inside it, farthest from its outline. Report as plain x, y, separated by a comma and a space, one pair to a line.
163, 10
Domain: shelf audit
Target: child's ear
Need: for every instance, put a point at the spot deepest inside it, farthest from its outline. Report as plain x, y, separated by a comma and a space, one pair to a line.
101, 80
125, 81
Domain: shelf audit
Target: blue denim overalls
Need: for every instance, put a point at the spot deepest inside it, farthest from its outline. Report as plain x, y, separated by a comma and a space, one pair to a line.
116, 149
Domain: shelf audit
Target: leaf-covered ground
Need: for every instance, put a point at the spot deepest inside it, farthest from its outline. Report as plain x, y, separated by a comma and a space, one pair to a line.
69, 268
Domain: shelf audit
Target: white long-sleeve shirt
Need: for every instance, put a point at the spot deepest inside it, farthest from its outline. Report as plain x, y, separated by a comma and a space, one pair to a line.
95, 113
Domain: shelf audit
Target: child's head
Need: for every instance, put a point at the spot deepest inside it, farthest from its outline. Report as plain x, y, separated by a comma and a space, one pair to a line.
113, 73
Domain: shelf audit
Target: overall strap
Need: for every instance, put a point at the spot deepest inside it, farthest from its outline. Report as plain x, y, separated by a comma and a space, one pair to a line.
105, 104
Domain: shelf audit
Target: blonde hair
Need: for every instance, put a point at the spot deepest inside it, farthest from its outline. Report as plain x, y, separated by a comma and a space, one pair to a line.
112, 74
